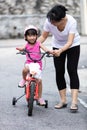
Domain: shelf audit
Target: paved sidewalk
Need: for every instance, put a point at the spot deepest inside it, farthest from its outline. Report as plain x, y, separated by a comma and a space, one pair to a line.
11, 117
82, 70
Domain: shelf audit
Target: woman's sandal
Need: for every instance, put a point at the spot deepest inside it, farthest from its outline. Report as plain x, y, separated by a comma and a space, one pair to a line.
74, 108
60, 106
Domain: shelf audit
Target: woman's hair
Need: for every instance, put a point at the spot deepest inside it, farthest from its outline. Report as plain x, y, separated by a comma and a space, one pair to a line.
57, 13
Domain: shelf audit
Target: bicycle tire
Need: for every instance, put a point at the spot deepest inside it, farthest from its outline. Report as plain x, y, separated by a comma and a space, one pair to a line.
31, 99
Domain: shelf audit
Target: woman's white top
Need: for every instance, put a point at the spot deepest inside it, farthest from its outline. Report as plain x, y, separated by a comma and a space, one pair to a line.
59, 38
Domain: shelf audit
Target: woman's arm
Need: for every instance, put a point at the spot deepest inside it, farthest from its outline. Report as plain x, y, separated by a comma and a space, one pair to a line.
66, 46
41, 39
43, 36
69, 42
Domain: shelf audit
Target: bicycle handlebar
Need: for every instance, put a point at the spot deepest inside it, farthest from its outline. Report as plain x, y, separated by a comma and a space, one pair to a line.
47, 54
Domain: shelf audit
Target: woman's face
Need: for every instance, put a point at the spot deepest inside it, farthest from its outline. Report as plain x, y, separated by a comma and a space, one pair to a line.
59, 23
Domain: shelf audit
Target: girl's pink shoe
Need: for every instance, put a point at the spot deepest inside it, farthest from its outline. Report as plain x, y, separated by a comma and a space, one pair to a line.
22, 83
41, 101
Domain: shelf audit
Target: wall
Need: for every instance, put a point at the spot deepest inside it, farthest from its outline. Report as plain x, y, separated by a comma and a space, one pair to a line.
16, 14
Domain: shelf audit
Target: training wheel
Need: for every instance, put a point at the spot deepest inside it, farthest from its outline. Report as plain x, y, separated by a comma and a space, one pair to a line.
46, 105
14, 101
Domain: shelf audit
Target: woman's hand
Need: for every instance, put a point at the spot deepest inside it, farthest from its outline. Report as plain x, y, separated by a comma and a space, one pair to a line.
57, 52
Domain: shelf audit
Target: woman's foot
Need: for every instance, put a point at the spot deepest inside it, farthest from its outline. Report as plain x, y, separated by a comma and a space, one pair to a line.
74, 108
41, 101
60, 105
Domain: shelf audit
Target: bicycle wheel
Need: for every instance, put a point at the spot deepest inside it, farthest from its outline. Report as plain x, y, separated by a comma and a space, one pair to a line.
31, 99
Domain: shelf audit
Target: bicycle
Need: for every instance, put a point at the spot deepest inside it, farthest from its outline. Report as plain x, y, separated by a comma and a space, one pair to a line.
31, 88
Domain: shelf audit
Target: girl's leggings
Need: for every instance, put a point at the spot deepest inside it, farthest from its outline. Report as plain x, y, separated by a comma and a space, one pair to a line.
72, 56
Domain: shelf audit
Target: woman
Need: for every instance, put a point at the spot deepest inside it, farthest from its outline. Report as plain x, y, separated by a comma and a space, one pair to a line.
63, 28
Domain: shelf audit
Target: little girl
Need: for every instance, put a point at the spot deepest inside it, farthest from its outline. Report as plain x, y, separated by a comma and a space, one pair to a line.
32, 45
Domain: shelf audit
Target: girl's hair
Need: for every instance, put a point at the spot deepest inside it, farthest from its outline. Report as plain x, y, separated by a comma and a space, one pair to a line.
57, 13
30, 32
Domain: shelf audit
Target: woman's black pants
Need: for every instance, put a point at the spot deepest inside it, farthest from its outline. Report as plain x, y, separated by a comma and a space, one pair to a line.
71, 58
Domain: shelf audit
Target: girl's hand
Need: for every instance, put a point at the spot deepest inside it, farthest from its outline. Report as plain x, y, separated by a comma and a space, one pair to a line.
17, 48
50, 51
20, 48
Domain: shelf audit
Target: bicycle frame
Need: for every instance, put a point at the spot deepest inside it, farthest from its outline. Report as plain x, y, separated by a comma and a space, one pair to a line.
29, 80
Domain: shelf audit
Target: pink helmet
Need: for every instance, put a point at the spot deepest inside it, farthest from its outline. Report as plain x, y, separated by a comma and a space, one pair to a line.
30, 27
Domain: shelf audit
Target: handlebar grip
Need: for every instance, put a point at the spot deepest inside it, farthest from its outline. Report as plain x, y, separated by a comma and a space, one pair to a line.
48, 54
21, 52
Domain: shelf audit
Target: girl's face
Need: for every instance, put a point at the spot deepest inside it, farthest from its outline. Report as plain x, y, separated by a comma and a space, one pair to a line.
31, 38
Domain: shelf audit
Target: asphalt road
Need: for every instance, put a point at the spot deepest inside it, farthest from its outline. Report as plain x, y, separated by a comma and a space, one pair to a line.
15, 118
